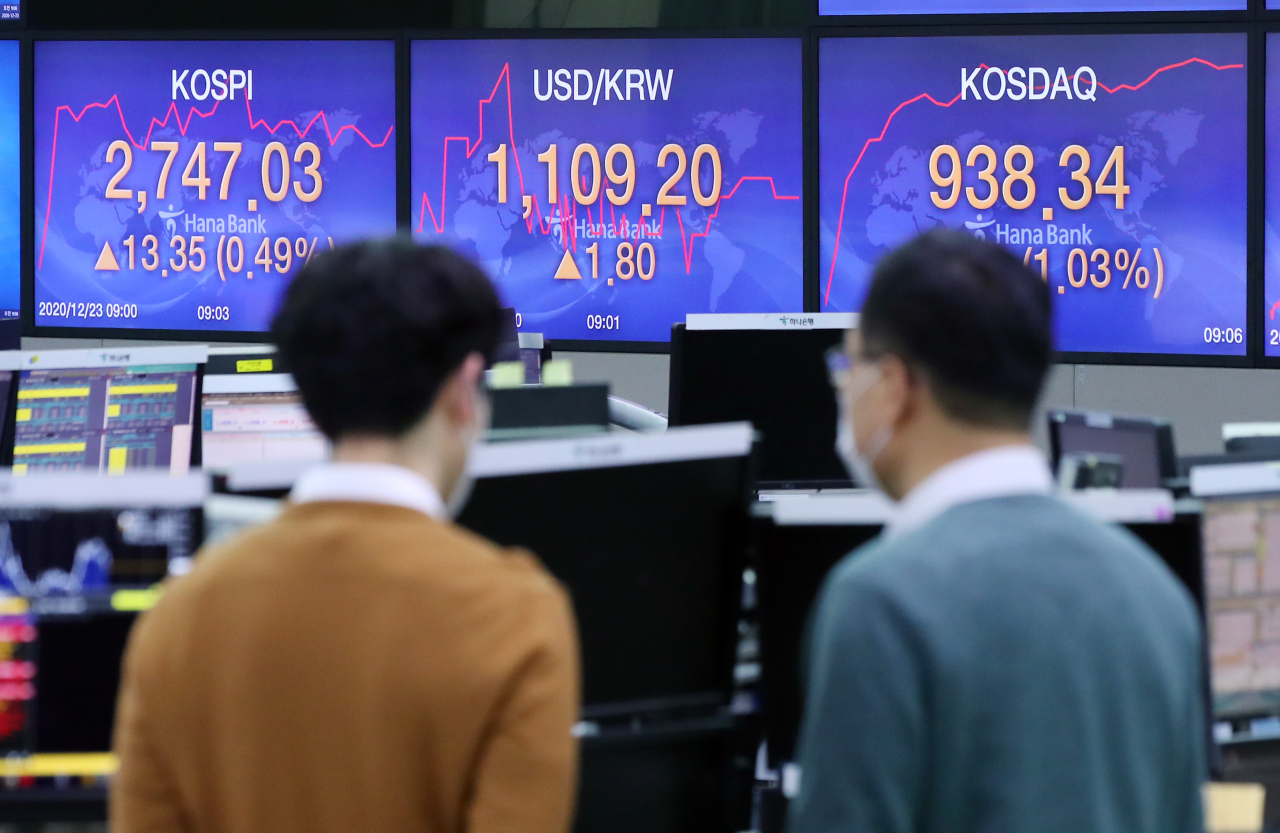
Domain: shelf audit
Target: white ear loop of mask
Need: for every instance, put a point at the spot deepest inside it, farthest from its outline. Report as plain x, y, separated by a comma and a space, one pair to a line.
860, 463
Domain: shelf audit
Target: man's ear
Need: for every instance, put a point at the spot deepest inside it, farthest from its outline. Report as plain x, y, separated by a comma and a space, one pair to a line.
902, 388
460, 388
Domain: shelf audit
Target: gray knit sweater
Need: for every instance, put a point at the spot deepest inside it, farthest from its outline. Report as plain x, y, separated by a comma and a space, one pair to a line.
1010, 667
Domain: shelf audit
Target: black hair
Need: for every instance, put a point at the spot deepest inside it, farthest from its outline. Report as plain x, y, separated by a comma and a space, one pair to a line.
371, 330
971, 318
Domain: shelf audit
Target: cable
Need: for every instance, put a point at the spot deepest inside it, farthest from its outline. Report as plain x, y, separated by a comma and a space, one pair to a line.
567, 12
532, 10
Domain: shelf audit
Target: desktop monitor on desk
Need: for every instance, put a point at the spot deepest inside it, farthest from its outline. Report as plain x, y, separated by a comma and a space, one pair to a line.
251, 413
774, 378
1242, 570
648, 534
80, 555
1145, 445
108, 410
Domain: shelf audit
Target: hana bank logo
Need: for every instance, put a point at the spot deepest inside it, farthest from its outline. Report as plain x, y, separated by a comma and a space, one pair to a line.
977, 226
170, 218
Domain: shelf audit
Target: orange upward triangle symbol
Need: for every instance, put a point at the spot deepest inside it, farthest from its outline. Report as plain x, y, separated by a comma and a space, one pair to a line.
568, 270
107, 260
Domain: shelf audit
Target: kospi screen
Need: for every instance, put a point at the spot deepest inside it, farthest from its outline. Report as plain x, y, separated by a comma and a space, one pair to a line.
1114, 165
612, 186
857, 7
181, 185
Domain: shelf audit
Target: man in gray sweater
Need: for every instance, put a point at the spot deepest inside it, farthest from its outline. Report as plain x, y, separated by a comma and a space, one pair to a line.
995, 661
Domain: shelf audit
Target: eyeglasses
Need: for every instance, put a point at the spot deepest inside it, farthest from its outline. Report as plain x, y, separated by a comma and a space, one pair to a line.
838, 365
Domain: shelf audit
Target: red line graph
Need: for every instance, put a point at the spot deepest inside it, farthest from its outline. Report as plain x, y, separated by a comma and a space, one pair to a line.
182, 130
826, 297
567, 208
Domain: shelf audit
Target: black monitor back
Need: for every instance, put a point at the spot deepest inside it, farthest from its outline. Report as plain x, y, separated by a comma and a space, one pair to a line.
792, 564
776, 380
691, 777
542, 406
652, 555
78, 660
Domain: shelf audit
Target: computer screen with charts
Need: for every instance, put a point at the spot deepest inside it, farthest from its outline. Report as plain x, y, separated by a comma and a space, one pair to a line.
80, 555
256, 418
1242, 573
107, 411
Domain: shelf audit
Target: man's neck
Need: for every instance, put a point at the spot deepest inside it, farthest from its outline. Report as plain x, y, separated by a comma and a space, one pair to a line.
392, 452
941, 445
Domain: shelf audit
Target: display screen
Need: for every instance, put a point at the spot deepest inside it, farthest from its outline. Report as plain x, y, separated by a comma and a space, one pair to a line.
258, 428
1271, 292
10, 177
1015, 6
108, 419
1242, 572
181, 185
611, 187
1114, 165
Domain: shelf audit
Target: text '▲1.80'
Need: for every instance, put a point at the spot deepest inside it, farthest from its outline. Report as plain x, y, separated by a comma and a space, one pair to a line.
275, 157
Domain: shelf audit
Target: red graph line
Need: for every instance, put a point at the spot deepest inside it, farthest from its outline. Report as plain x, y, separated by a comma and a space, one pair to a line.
845, 196
1273, 310
571, 214
182, 130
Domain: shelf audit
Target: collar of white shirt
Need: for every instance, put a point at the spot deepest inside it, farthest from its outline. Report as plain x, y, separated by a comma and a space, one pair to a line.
996, 472
369, 483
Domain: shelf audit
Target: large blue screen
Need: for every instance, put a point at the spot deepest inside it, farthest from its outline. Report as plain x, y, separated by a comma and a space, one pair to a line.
10, 177
859, 7
612, 186
1115, 165
181, 184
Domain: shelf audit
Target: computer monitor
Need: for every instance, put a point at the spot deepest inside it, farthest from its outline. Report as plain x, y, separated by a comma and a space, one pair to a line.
1145, 445
896, 131
10, 363
79, 557
712, 216
251, 157
256, 417
771, 373
794, 555
108, 410
648, 534
1242, 573
799, 541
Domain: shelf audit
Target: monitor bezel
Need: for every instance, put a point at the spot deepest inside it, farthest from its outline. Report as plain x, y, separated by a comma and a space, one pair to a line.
1080, 25
1166, 456
799, 33
9, 429
27, 80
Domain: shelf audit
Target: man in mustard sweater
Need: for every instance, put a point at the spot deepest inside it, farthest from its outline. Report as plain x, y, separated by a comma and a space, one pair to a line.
361, 664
